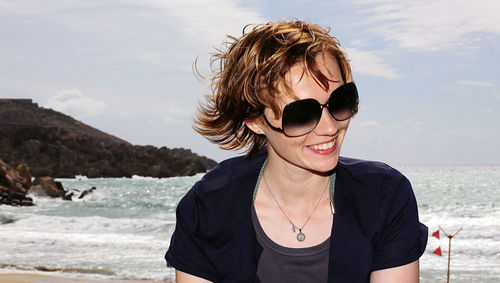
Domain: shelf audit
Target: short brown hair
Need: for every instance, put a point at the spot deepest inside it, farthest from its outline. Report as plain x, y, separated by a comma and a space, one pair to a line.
247, 72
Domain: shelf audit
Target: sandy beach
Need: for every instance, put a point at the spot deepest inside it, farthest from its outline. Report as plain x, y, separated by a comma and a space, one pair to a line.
39, 278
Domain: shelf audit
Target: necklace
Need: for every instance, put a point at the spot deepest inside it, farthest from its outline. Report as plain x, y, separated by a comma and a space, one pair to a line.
300, 236
332, 191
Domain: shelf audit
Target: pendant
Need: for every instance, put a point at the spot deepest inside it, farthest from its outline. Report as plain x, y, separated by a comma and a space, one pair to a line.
300, 236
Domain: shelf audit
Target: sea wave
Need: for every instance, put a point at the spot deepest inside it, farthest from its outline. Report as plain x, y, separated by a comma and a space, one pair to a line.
94, 224
24, 267
125, 225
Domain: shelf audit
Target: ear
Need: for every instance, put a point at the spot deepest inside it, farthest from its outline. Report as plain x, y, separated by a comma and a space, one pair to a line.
255, 125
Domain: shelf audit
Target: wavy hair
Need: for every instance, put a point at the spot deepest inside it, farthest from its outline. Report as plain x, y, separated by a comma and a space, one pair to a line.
248, 71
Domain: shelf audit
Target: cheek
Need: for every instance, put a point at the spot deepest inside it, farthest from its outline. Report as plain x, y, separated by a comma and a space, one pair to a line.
345, 125
283, 143
343, 132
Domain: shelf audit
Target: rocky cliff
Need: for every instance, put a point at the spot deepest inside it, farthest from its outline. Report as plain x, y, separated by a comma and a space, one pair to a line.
54, 144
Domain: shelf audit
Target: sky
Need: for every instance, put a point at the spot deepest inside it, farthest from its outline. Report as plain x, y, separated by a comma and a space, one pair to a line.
427, 71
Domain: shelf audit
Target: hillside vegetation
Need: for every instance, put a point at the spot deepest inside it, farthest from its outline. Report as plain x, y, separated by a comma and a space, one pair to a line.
54, 144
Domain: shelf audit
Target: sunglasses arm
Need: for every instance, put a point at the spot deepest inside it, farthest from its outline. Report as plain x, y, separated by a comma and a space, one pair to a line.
271, 126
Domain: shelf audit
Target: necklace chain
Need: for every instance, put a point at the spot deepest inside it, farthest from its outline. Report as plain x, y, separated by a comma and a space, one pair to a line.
300, 237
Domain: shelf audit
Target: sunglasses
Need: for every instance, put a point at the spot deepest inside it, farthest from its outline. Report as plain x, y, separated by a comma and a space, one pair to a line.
302, 116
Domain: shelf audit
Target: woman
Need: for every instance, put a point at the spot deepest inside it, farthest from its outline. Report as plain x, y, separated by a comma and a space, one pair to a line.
292, 210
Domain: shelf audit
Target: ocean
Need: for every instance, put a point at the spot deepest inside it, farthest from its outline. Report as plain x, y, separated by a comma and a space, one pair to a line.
123, 229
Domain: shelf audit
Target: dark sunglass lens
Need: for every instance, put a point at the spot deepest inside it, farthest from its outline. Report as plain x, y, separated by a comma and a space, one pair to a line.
300, 117
343, 102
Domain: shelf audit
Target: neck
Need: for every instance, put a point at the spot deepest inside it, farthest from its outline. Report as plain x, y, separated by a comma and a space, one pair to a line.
294, 185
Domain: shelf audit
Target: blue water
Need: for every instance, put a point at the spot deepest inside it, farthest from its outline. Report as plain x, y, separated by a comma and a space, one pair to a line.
455, 197
123, 229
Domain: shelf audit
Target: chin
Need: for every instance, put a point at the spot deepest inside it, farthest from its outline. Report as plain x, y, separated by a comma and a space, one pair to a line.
325, 166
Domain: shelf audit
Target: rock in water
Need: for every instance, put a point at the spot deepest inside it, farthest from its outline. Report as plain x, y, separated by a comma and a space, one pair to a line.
86, 192
47, 187
6, 220
25, 174
14, 184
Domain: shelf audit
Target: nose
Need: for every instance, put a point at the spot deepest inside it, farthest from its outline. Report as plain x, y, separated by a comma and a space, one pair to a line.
327, 125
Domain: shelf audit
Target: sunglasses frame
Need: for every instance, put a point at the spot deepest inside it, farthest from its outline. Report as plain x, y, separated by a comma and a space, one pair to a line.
322, 106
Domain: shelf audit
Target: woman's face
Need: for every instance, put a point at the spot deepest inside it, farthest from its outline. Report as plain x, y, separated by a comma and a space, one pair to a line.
319, 150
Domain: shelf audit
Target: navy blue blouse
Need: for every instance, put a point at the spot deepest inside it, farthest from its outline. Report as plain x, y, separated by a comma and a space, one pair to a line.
375, 227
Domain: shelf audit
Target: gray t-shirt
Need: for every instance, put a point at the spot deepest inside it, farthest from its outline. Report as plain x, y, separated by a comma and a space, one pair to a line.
282, 264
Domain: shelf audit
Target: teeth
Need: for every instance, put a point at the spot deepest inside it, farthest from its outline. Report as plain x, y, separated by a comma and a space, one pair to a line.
323, 146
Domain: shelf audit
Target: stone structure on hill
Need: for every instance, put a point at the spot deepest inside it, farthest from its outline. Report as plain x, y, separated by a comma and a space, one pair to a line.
54, 144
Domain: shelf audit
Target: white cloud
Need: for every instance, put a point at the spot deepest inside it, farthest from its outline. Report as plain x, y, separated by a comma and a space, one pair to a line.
73, 102
431, 25
410, 124
148, 31
177, 116
208, 20
497, 96
477, 83
369, 124
177, 111
359, 42
173, 121
33, 7
471, 133
366, 62
412, 142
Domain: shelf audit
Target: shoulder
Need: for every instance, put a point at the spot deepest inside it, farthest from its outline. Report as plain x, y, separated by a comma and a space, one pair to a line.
217, 204
228, 185
375, 189
381, 201
364, 169
238, 171
374, 176
231, 170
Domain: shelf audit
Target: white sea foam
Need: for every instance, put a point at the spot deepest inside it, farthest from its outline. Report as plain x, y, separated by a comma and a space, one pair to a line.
93, 224
137, 177
81, 177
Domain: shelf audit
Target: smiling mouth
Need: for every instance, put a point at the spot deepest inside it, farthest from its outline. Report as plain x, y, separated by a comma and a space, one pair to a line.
323, 146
